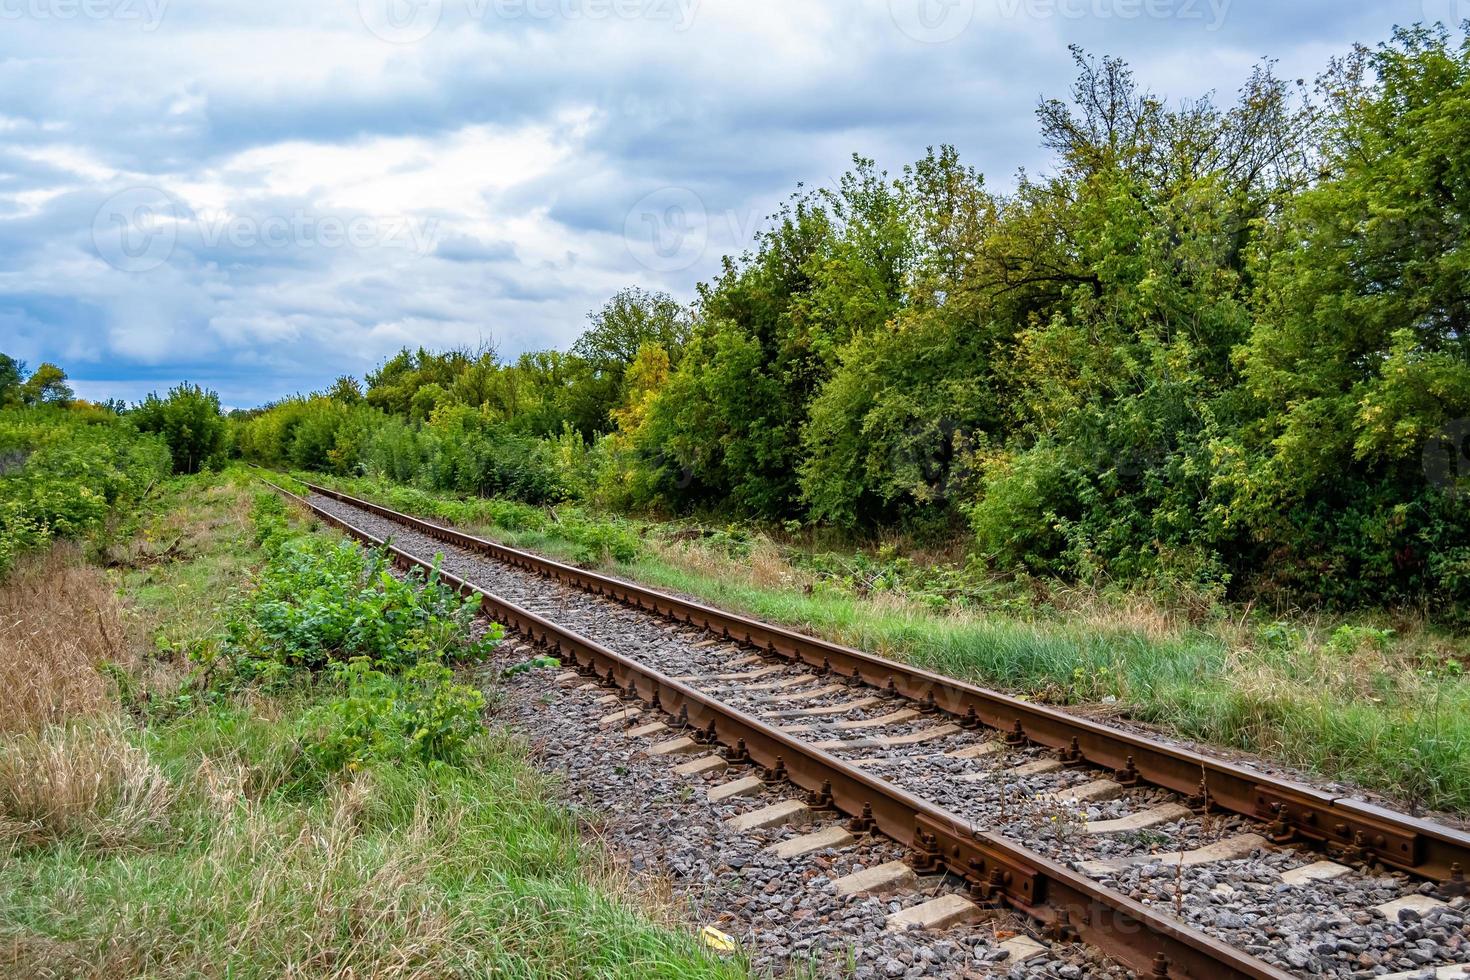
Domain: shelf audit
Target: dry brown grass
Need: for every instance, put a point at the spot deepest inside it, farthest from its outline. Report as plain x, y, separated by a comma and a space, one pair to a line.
60, 621
81, 782
765, 566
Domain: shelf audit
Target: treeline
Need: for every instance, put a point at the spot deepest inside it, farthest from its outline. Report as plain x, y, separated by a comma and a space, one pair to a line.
1218, 346
67, 463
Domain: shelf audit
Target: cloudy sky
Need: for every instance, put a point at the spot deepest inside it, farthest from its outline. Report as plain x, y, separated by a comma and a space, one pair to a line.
261, 196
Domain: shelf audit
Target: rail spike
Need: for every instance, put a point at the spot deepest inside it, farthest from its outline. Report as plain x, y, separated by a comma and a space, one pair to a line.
864, 823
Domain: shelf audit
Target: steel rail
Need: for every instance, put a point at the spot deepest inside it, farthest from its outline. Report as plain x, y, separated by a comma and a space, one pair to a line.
1362, 831
1001, 873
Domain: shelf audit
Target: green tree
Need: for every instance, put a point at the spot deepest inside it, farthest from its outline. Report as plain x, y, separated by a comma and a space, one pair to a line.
190, 422
627, 322
630, 319
47, 386
12, 376
347, 390
1360, 356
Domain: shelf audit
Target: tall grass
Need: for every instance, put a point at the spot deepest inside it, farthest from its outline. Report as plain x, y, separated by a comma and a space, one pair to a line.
403, 872
60, 627
84, 784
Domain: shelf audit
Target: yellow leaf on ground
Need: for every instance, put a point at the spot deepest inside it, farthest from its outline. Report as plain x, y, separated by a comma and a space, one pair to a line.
715, 939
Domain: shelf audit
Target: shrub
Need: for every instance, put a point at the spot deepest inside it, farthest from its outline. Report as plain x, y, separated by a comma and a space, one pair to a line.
419, 716
64, 473
321, 601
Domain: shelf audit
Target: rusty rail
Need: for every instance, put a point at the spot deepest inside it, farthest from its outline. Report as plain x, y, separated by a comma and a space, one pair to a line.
1362, 830
1070, 906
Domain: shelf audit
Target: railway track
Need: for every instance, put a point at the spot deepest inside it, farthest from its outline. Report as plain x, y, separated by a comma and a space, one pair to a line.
1171, 863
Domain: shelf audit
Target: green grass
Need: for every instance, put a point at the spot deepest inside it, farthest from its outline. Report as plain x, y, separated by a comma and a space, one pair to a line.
1391, 715
213, 848
405, 871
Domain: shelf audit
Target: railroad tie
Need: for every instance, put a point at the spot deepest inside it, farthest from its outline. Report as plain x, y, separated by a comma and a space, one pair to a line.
1414, 903
784, 684
746, 786
880, 880
807, 695
831, 709
1037, 768
993, 747
893, 718
1142, 820
939, 913
1096, 791
740, 678
1319, 871
1456, 972
1229, 849
701, 766
619, 717
1022, 948
643, 731
827, 838
892, 741
775, 815
675, 746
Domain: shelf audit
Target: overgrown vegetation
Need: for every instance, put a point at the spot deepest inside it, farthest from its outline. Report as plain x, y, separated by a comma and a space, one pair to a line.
1218, 350
285, 779
63, 470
